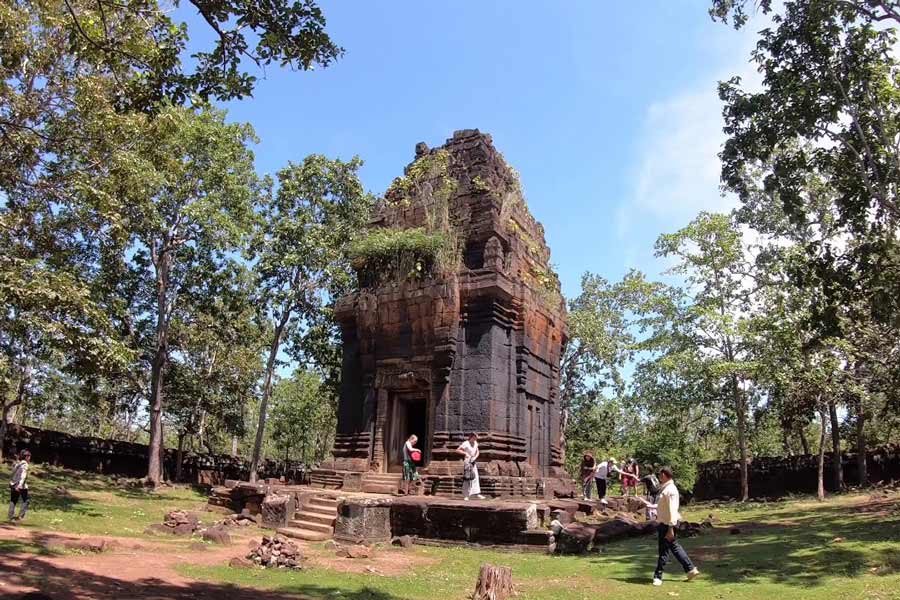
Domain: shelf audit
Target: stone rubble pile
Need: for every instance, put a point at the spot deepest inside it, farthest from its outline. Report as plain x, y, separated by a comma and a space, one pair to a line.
177, 522
276, 552
242, 519
184, 523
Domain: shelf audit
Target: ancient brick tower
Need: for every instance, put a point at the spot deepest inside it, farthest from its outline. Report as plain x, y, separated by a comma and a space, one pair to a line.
458, 327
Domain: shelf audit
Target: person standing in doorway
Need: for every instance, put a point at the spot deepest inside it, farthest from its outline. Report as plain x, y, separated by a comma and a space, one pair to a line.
587, 475
668, 516
471, 485
410, 466
601, 475
18, 486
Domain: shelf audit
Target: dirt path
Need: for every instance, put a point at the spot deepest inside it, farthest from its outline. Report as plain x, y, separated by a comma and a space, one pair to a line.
146, 569
131, 569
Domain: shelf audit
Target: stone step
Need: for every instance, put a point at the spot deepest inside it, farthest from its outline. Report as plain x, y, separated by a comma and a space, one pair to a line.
311, 526
381, 488
329, 500
314, 517
304, 534
323, 509
383, 477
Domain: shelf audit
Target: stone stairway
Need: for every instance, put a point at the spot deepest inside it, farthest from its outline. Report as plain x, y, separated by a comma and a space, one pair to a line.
314, 519
382, 483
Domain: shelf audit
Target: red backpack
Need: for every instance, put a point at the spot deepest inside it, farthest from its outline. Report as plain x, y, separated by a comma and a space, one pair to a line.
415, 455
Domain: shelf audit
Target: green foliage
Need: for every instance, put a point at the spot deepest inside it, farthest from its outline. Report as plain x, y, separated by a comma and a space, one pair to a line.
434, 166
300, 253
303, 418
403, 253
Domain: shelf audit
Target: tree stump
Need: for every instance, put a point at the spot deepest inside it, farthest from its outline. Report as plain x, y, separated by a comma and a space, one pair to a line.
494, 583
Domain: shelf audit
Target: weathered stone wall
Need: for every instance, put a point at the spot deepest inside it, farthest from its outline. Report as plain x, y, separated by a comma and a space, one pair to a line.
127, 459
773, 477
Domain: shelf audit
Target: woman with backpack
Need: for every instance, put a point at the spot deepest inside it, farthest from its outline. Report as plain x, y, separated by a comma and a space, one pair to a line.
469, 449
18, 486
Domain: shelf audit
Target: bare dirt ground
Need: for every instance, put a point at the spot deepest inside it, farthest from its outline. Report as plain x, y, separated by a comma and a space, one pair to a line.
146, 569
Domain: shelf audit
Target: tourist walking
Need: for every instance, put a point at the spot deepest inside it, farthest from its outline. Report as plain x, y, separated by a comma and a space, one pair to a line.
471, 484
668, 516
411, 457
630, 477
587, 475
18, 486
601, 474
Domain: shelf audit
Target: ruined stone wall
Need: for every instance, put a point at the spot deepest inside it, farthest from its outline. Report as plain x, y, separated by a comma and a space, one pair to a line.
774, 477
127, 459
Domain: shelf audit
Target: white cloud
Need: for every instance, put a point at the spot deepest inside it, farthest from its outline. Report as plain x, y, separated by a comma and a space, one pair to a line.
677, 166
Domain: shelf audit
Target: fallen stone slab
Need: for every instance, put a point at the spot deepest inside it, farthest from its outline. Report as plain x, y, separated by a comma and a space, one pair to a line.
239, 562
216, 535
404, 541
354, 551
575, 538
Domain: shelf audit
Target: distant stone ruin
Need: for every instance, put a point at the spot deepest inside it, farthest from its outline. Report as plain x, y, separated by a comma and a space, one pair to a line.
458, 327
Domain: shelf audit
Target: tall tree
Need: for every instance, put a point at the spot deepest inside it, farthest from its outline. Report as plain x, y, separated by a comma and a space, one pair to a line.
828, 107
601, 342
183, 196
711, 258
303, 417
300, 255
215, 365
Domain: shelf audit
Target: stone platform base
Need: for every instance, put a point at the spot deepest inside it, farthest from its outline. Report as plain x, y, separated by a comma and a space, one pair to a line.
450, 486
446, 521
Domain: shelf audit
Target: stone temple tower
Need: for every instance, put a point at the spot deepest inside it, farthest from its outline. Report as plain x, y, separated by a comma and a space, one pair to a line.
457, 327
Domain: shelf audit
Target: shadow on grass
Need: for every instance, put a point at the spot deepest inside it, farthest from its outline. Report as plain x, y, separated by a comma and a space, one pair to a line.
819, 542
61, 582
58, 489
12, 546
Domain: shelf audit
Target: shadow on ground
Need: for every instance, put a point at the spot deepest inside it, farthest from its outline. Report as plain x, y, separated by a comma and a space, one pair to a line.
798, 550
60, 583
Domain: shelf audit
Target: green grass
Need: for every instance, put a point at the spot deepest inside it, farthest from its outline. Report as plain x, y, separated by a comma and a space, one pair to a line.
95, 504
785, 551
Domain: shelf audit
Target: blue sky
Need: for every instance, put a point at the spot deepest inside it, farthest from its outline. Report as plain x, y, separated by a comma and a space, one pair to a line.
608, 110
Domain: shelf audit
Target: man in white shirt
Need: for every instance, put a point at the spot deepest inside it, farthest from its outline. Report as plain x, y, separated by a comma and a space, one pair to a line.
601, 474
667, 519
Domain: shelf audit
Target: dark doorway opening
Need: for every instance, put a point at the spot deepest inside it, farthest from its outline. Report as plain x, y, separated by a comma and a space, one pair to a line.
408, 416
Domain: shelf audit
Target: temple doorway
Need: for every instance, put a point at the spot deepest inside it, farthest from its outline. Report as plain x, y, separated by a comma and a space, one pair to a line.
408, 416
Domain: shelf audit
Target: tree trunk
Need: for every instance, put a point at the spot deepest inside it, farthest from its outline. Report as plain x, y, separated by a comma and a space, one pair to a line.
741, 410
157, 371
861, 444
494, 583
785, 441
267, 390
836, 456
803, 441
234, 445
21, 390
3, 426
820, 489
179, 457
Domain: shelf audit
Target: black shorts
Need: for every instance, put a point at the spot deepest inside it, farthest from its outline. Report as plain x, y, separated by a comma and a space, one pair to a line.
15, 495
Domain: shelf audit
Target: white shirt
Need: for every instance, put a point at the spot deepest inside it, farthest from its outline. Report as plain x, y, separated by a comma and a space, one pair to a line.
471, 450
668, 504
20, 473
602, 470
